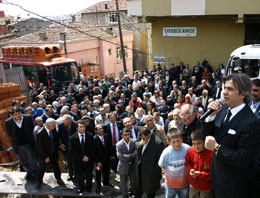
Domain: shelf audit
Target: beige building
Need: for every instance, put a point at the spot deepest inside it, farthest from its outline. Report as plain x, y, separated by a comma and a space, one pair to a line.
191, 31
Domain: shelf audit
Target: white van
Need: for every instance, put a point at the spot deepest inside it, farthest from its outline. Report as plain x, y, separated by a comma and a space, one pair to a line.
245, 59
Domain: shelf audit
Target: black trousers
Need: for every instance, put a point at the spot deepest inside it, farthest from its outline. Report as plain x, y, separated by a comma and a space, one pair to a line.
139, 190
105, 172
54, 163
83, 173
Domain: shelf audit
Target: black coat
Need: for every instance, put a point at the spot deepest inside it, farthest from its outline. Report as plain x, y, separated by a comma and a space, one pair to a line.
107, 130
239, 141
103, 152
44, 146
78, 154
65, 133
28, 126
151, 172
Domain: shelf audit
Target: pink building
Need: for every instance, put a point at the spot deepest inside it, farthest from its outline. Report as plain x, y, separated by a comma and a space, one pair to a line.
98, 47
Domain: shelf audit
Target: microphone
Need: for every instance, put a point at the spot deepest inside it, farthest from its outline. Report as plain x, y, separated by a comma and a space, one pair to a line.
210, 111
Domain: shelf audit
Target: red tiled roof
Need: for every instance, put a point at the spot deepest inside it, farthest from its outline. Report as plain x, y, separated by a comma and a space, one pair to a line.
111, 6
53, 33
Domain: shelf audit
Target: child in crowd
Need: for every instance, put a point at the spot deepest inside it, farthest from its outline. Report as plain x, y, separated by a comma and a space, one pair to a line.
172, 160
198, 164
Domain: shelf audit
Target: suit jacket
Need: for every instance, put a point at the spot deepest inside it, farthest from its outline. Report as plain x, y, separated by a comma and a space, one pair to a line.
108, 131
65, 133
148, 160
99, 120
257, 112
239, 141
205, 108
78, 154
215, 96
44, 146
102, 152
28, 127
125, 164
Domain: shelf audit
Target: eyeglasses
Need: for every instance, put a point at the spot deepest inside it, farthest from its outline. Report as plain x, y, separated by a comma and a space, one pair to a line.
185, 115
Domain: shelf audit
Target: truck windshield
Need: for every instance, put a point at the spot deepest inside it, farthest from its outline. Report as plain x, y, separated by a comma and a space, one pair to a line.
248, 66
65, 73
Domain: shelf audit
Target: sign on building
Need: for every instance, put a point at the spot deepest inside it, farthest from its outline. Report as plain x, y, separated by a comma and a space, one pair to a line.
158, 59
180, 31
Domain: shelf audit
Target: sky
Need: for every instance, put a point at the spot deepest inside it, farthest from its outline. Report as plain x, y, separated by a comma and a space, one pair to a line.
46, 7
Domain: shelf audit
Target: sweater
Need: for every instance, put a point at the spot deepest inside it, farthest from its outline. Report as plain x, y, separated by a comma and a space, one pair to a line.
199, 162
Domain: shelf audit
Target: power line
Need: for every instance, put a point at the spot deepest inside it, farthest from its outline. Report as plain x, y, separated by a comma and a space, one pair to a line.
67, 26
129, 22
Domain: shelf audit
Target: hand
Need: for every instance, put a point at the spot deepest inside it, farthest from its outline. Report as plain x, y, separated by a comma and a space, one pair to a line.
63, 147
210, 143
142, 142
47, 160
125, 155
193, 173
216, 106
85, 159
99, 166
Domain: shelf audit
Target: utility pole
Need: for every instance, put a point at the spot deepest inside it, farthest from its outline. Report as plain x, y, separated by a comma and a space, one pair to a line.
121, 37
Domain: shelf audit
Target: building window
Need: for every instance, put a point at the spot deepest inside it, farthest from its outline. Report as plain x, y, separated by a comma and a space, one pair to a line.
113, 17
119, 55
109, 52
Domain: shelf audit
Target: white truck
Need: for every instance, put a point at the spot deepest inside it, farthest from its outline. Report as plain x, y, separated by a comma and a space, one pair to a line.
245, 59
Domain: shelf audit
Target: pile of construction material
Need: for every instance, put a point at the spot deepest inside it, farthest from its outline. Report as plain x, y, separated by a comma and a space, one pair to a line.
8, 93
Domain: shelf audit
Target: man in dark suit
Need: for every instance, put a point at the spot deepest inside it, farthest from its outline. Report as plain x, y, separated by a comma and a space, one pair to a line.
127, 122
66, 129
255, 107
83, 152
124, 100
147, 172
47, 146
217, 90
255, 104
126, 153
236, 138
20, 127
103, 153
112, 129
204, 100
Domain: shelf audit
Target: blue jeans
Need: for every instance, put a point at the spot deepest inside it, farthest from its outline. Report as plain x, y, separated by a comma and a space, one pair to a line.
173, 192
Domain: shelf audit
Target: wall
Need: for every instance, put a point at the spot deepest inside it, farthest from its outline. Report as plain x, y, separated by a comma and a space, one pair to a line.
134, 7
96, 51
187, 7
156, 7
199, 7
215, 40
84, 52
109, 63
230, 7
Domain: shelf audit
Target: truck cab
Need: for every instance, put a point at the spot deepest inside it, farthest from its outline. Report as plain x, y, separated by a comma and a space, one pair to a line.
245, 59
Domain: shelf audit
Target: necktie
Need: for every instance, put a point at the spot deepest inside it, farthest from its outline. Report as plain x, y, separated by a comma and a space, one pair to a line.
227, 117
52, 142
82, 144
114, 134
102, 140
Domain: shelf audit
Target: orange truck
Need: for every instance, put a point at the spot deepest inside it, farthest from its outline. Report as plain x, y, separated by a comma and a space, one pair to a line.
41, 63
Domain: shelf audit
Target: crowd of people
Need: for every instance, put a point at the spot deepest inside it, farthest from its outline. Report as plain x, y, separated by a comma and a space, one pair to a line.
143, 127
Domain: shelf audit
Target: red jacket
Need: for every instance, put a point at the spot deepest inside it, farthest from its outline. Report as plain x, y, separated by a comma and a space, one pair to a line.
199, 162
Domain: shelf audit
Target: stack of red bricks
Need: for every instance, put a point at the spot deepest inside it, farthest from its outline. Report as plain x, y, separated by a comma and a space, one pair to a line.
8, 93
